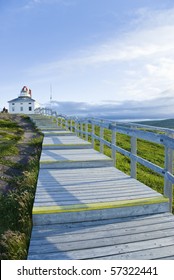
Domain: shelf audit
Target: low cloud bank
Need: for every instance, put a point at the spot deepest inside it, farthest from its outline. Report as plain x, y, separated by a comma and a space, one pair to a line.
158, 108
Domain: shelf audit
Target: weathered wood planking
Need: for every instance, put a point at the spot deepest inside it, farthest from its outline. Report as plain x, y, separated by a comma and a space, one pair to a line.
65, 142
132, 238
63, 187
50, 129
99, 225
83, 211
56, 132
71, 155
73, 158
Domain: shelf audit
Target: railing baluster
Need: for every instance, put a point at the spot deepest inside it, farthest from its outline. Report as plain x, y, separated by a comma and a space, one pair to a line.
86, 130
114, 143
81, 129
71, 125
61, 122
101, 137
168, 186
76, 127
134, 152
93, 132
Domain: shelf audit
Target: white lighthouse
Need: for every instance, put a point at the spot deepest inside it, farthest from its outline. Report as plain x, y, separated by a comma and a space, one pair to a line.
24, 104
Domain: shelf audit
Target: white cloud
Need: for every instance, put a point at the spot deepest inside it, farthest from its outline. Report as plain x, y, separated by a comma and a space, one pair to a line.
137, 65
145, 42
156, 108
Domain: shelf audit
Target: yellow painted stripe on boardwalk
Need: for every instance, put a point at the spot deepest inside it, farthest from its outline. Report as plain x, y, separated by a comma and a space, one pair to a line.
99, 206
74, 161
62, 145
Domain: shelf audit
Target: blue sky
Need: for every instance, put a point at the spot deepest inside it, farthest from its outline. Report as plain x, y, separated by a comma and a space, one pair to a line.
95, 53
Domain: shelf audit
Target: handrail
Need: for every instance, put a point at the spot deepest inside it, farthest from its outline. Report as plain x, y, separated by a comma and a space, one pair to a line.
162, 136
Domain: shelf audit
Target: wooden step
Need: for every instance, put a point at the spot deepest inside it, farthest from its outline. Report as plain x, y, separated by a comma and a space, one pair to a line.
91, 194
50, 129
130, 238
79, 158
64, 142
94, 211
57, 132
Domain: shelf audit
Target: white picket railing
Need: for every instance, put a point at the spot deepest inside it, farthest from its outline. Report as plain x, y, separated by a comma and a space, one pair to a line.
136, 131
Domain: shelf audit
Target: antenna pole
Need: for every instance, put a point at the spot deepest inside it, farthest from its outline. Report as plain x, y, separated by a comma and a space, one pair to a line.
50, 92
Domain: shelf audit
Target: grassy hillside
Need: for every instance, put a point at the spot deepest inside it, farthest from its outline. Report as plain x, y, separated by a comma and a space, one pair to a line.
152, 152
20, 147
169, 123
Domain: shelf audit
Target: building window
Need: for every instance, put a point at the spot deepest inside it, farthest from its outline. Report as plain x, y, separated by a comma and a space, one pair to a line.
30, 108
21, 103
29, 103
13, 109
21, 109
13, 103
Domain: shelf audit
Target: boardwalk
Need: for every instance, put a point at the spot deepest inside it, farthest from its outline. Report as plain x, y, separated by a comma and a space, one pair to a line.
87, 209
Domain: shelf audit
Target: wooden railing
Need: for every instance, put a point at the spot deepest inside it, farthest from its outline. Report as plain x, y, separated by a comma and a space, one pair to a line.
85, 127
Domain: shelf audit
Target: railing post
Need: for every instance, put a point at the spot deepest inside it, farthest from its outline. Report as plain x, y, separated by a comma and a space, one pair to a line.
66, 124
113, 143
168, 186
61, 122
57, 120
76, 127
71, 125
101, 137
81, 129
134, 152
78, 124
86, 131
93, 132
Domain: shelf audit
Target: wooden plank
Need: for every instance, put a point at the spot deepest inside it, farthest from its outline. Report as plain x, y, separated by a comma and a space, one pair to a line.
49, 215
49, 129
123, 223
70, 199
79, 234
167, 256
81, 178
162, 253
104, 251
104, 192
75, 164
81, 207
51, 187
64, 140
51, 245
63, 155
55, 133
115, 194
79, 158
96, 180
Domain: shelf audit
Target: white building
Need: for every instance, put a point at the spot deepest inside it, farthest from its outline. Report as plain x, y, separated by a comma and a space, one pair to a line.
24, 104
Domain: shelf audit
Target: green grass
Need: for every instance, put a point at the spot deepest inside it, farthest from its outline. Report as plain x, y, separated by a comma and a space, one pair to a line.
16, 203
168, 123
147, 150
